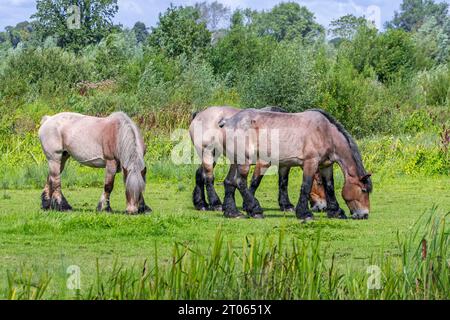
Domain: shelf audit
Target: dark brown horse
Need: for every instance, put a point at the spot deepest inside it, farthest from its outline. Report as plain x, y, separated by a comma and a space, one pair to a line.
312, 140
209, 142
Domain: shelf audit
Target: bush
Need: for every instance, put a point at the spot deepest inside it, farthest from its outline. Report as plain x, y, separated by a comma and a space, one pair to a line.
434, 85
288, 79
47, 72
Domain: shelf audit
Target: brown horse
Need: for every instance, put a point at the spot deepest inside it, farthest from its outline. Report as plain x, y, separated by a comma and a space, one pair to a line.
313, 140
113, 143
209, 142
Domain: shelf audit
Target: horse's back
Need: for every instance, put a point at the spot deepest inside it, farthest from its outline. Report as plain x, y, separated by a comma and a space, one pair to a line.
206, 123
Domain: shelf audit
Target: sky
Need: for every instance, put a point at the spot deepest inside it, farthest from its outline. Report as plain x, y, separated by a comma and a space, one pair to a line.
147, 11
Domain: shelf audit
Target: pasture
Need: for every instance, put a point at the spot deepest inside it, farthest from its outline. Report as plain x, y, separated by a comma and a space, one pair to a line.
388, 86
37, 247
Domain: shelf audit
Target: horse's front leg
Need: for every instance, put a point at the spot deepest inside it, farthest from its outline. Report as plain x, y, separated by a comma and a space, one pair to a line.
333, 209
253, 208
302, 210
258, 175
110, 174
229, 202
283, 195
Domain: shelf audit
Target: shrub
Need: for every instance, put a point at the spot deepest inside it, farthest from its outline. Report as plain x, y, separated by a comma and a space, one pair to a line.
288, 79
42, 71
434, 85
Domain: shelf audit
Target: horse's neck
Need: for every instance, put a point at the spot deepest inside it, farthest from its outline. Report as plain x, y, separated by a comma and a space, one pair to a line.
344, 157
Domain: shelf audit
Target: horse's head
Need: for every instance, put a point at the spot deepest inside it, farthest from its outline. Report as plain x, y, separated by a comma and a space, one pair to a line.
317, 196
135, 185
356, 194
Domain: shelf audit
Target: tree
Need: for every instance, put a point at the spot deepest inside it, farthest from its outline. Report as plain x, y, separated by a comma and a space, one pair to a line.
53, 19
288, 21
214, 14
180, 31
393, 55
238, 52
141, 32
413, 14
3, 37
346, 26
432, 42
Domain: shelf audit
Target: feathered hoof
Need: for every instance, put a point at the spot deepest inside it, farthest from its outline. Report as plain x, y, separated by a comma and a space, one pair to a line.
145, 209
62, 205
234, 215
337, 214
306, 216
216, 208
287, 209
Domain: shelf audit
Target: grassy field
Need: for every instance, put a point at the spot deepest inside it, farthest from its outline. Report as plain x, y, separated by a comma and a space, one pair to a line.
41, 245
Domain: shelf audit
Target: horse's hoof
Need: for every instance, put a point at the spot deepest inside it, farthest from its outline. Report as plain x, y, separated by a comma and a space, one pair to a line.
305, 217
216, 208
60, 206
257, 216
337, 214
145, 209
235, 215
201, 207
287, 209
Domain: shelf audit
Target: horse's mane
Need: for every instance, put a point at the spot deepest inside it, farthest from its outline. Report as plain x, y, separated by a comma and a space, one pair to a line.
128, 149
352, 144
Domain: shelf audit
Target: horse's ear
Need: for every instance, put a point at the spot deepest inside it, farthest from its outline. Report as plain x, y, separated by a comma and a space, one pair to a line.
365, 177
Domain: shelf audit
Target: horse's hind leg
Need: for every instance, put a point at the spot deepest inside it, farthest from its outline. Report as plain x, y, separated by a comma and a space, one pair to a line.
208, 169
198, 196
283, 195
46, 196
110, 174
333, 209
56, 166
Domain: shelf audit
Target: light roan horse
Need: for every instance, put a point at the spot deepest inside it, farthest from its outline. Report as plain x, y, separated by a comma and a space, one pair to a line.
114, 143
209, 143
313, 140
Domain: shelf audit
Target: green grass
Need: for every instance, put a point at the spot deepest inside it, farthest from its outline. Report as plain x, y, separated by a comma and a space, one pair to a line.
39, 246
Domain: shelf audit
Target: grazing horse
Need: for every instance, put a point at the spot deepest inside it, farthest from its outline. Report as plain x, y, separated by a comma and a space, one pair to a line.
209, 143
113, 143
312, 140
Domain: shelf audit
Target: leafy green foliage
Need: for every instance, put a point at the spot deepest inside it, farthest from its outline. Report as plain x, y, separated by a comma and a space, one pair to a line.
95, 21
346, 26
180, 32
413, 13
394, 55
288, 79
288, 21
240, 52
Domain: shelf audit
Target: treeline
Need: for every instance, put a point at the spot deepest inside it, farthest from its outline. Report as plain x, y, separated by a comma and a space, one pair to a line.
391, 81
